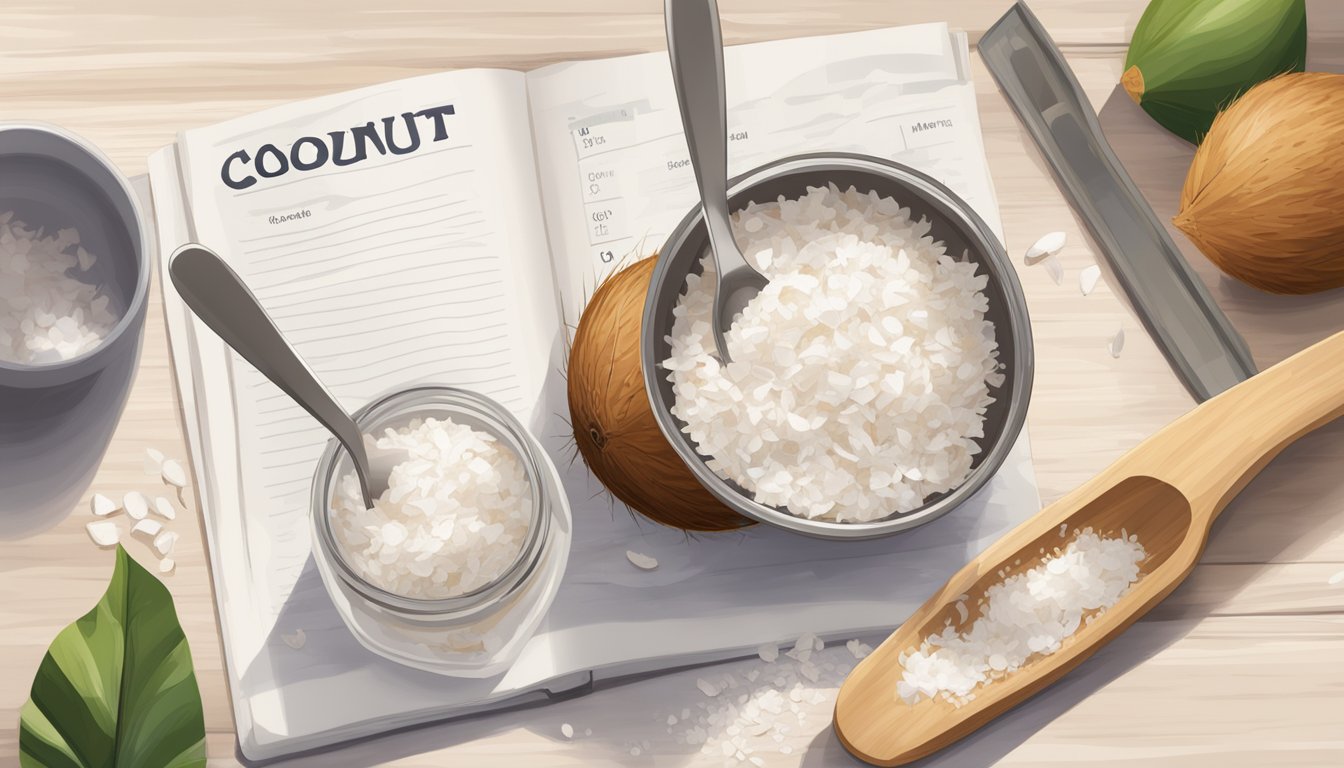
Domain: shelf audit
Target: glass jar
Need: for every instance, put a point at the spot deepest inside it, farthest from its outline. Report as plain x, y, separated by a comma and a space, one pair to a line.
476, 634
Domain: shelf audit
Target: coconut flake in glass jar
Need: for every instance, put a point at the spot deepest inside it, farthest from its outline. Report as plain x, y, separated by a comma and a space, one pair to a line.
453, 519
860, 375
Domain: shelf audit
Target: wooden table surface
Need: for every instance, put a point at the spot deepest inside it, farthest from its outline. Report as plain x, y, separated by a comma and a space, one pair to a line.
1244, 665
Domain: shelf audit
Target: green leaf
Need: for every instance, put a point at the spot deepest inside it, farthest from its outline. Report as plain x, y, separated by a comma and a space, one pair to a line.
117, 688
1190, 59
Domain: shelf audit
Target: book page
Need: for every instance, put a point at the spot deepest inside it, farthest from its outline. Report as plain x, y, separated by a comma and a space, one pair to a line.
395, 236
616, 174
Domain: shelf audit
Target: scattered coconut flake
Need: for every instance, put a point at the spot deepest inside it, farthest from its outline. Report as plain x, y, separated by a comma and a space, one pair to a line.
164, 542
147, 528
706, 687
643, 562
136, 505
47, 314
103, 532
1337, 578
768, 652
752, 714
1054, 269
858, 650
174, 474
167, 565
866, 326
1087, 279
1049, 245
806, 642
1117, 343
567, 730
153, 462
1025, 616
102, 506
164, 508
452, 520
295, 639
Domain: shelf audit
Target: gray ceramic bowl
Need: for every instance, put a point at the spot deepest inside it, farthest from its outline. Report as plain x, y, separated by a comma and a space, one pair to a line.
52, 179
954, 223
57, 418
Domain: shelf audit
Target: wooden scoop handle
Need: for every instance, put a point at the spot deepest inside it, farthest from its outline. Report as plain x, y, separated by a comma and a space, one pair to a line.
1167, 491
1212, 452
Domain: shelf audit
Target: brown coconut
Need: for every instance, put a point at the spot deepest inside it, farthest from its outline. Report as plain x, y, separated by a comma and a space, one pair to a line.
610, 413
1264, 198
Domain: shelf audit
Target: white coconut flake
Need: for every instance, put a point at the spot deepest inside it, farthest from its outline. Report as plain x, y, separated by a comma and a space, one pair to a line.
858, 650
153, 462
860, 375
47, 313
163, 507
136, 505
452, 520
706, 687
174, 474
768, 652
102, 506
167, 565
1116, 343
1024, 616
1054, 269
643, 562
567, 730
103, 532
1087, 279
164, 543
296, 639
1049, 245
147, 528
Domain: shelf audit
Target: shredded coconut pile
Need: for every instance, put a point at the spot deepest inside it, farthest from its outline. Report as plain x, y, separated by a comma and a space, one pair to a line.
47, 314
1023, 617
453, 519
758, 707
860, 375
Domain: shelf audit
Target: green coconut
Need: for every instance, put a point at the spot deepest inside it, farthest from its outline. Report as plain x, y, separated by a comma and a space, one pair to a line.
1189, 59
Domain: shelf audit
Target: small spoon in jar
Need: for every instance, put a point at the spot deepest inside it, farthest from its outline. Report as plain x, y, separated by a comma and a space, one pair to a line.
220, 298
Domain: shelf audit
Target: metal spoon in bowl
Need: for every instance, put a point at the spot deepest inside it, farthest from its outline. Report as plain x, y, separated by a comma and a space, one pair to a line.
695, 46
220, 298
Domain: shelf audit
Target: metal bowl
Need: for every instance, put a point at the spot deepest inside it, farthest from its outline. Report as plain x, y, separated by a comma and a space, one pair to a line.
954, 223
464, 407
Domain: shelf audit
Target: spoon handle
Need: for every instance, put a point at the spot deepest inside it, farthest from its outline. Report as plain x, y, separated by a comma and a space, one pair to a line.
1213, 451
220, 298
695, 46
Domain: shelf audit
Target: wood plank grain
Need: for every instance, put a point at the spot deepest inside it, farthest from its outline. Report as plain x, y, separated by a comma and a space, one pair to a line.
128, 75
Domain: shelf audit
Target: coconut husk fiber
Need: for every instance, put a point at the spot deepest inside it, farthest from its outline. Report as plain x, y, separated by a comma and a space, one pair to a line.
1264, 198
614, 427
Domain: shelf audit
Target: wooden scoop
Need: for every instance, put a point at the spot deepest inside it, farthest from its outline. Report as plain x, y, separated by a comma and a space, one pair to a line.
1168, 491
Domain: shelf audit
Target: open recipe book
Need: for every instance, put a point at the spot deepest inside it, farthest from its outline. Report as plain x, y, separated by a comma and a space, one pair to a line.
447, 229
